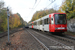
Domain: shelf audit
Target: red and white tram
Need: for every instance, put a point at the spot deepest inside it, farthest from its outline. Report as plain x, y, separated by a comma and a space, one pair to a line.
55, 22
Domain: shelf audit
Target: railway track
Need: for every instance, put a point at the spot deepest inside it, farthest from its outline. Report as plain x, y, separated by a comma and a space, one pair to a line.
70, 37
11, 31
48, 41
66, 38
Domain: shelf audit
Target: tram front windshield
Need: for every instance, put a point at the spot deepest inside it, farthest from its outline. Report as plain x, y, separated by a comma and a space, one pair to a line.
60, 19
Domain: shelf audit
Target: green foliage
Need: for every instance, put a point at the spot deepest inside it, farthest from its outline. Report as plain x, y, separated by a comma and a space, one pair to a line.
69, 8
3, 16
42, 13
15, 20
0, 31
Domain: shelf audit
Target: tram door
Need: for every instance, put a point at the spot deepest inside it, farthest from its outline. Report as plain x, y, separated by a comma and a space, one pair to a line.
43, 25
51, 23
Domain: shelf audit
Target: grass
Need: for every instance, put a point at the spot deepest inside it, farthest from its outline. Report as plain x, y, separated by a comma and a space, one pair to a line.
0, 31
70, 33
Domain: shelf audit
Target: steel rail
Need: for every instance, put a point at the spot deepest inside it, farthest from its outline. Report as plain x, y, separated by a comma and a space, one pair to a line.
46, 48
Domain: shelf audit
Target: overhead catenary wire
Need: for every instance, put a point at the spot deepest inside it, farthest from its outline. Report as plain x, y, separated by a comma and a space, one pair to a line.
49, 4
32, 7
35, 6
38, 3
35, 1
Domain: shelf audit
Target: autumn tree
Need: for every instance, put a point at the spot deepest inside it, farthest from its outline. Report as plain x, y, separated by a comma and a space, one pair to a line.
69, 8
3, 17
15, 20
41, 13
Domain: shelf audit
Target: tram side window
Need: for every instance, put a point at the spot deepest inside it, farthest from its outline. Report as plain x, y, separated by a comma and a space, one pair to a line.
41, 22
38, 22
52, 20
35, 23
46, 21
32, 24
49, 21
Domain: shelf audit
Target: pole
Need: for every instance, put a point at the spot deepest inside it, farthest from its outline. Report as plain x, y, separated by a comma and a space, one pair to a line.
8, 27
8, 43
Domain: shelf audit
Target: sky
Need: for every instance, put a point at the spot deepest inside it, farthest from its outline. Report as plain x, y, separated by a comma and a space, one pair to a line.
26, 8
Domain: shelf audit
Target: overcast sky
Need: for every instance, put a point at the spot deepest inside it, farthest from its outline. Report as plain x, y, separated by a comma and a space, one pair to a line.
26, 8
